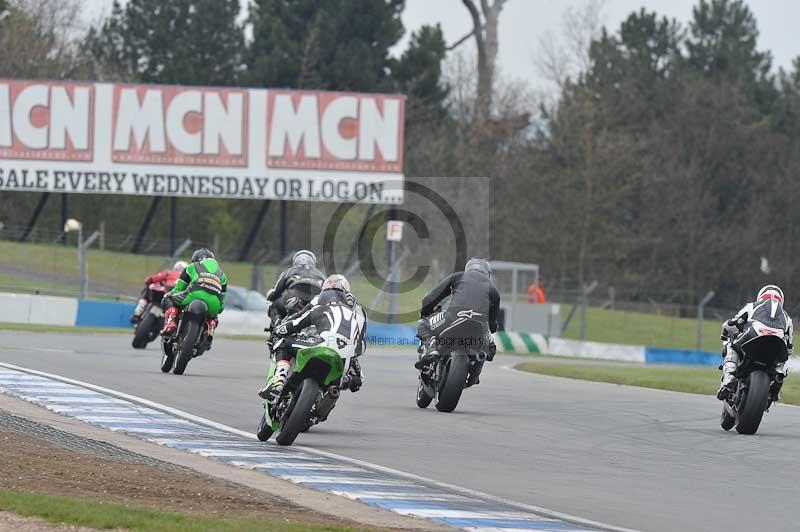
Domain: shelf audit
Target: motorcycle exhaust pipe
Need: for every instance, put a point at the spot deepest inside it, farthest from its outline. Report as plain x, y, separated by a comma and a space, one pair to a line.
481, 356
327, 403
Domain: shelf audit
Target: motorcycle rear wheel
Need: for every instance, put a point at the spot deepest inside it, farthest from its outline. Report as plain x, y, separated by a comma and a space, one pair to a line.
186, 346
456, 379
751, 410
297, 419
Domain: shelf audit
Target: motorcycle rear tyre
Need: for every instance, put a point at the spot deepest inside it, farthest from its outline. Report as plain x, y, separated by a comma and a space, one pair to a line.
752, 410
456, 379
186, 346
297, 419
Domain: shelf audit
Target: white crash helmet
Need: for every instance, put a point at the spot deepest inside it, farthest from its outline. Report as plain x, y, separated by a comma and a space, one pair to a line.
770, 291
336, 282
304, 258
179, 266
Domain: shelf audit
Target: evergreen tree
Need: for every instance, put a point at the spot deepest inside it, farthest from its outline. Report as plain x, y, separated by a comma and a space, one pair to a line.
418, 72
194, 42
722, 46
330, 45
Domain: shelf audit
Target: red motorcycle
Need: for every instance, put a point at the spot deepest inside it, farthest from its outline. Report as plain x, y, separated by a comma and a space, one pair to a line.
152, 317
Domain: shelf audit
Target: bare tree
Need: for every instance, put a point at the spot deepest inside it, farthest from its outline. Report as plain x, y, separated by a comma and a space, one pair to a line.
564, 57
484, 30
40, 38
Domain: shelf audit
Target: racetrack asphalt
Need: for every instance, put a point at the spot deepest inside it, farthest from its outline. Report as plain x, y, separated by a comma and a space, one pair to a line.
630, 457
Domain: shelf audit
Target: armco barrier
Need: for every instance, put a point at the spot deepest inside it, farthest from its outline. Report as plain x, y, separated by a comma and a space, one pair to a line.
384, 334
103, 313
35, 309
597, 350
525, 343
520, 342
678, 356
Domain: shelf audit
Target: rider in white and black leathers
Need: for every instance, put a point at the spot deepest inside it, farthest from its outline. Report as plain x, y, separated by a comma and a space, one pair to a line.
471, 290
334, 309
732, 328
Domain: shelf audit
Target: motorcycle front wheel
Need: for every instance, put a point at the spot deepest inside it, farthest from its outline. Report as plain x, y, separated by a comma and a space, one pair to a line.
144, 331
423, 399
264, 428
726, 421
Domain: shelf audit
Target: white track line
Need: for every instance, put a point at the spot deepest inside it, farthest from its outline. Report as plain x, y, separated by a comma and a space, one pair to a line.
544, 512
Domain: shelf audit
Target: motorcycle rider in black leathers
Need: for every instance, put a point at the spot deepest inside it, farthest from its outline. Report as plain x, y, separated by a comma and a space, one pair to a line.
295, 287
334, 309
474, 295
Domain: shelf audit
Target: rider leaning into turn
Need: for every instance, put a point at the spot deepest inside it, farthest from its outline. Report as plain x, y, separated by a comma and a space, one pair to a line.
167, 277
202, 279
472, 291
295, 287
733, 327
334, 309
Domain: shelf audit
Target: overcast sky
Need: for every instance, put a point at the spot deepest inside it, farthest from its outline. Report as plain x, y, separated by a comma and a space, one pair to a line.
524, 22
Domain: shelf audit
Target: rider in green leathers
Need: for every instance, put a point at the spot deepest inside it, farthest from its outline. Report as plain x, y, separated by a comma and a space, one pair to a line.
202, 279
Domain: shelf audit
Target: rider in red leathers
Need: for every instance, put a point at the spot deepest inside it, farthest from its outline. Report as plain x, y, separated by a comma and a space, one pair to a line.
167, 278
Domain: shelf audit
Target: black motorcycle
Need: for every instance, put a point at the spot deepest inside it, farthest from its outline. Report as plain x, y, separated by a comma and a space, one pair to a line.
462, 352
192, 338
761, 348
151, 320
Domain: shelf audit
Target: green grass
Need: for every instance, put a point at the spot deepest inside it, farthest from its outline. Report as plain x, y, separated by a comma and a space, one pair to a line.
652, 330
700, 380
102, 515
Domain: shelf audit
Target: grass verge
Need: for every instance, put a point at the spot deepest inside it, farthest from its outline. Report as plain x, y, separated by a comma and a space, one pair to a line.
652, 330
700, 380
102, 515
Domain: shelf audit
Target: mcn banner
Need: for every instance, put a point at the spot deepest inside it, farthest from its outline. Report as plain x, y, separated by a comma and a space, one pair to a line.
200, 142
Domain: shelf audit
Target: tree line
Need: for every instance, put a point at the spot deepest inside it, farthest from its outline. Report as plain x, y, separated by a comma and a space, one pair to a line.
665, 166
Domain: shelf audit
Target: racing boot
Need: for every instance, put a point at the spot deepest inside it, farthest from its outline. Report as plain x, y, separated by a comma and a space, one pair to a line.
728, 384
170, 321
429, 355
272, 391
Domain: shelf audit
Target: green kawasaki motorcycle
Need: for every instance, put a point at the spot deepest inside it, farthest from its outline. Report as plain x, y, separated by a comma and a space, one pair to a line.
320, 371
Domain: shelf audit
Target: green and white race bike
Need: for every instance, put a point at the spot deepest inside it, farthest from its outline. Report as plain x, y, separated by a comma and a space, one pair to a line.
321, 368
